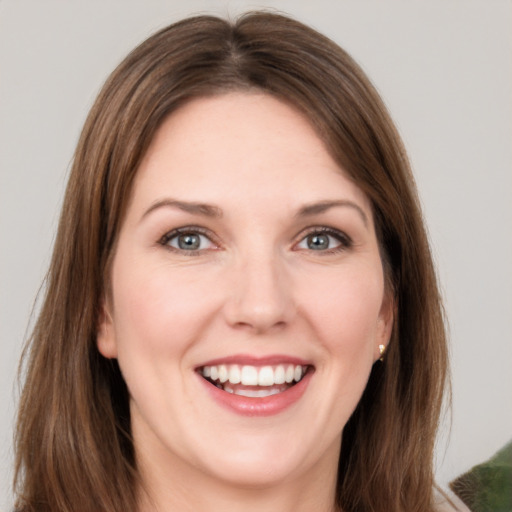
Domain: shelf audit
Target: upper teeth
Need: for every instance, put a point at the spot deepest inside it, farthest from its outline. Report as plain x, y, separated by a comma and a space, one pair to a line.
254, 375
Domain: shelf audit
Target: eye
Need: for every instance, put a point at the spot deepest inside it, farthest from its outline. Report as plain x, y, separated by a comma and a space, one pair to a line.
324, 240
188, 240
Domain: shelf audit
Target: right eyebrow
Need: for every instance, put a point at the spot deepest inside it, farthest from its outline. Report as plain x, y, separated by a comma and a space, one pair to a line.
206, 210
323, 206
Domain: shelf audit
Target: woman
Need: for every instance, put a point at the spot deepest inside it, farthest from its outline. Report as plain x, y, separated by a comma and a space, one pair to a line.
241, 309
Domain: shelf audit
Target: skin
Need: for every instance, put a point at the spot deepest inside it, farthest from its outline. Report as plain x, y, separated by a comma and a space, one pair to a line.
256, 285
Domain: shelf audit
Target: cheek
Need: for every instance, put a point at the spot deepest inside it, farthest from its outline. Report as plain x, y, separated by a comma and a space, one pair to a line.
153, 308
344, 308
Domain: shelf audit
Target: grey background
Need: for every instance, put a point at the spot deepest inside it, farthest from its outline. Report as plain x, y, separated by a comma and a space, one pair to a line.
444, 69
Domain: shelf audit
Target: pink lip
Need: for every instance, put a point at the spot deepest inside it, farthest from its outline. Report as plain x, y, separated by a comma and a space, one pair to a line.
244, 359
265, 406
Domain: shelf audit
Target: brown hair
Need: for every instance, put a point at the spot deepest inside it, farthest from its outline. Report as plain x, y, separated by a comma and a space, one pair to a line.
73, 445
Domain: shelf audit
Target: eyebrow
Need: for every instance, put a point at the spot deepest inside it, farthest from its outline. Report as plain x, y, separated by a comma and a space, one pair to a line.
207, 210
323, 206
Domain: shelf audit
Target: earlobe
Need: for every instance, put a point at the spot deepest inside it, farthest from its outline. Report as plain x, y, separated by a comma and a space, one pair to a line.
105, 335
386, 320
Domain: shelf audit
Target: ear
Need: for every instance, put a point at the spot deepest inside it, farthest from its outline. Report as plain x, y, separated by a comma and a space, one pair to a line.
384, 324
105, 336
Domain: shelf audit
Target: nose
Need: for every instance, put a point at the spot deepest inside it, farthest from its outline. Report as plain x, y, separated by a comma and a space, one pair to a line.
260, 298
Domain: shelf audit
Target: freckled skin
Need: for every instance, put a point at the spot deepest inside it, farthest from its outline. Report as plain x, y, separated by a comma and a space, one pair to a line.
256, 285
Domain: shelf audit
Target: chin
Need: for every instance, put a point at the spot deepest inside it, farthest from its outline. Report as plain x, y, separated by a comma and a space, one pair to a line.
264, 461
255, 473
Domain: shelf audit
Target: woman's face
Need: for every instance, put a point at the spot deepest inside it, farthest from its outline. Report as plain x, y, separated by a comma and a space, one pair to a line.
245, 254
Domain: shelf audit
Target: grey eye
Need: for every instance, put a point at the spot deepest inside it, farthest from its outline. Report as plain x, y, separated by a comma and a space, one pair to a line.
318, 242
189, 241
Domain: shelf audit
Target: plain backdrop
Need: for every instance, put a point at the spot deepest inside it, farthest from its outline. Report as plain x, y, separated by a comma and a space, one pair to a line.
444, 70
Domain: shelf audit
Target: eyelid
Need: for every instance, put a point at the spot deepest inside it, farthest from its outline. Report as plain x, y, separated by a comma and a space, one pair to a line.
182, 230
345, 240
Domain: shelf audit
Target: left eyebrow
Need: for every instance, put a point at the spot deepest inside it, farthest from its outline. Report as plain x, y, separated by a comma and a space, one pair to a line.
323, 206
203, 209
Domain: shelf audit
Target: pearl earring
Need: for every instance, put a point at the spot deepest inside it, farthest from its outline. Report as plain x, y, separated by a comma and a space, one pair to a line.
382, 349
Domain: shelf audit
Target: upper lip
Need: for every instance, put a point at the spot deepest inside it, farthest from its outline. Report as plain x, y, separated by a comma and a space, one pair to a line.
250, 360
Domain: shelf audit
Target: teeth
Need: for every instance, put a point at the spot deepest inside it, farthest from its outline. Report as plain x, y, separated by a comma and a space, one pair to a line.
234, 374
253, 393
290, 374
279, 375
223, 373
266, 376
247, 375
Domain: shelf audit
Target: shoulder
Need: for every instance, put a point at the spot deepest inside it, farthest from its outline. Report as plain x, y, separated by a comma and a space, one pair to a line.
447, 501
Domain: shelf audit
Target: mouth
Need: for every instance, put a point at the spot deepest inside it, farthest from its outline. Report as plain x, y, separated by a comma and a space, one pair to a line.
254, 381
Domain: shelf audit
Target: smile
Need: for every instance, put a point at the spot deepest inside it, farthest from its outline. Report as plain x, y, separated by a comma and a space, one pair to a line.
253, 381
256, 386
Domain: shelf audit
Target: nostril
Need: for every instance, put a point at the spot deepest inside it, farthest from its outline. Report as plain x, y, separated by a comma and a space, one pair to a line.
259, 325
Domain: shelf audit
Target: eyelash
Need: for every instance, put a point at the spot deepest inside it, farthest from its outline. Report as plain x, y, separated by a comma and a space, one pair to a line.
187, 230
345, 242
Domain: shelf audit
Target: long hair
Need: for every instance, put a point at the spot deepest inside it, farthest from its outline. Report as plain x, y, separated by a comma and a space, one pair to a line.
73, 442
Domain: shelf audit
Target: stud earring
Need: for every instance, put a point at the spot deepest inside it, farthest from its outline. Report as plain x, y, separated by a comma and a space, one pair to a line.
382, 349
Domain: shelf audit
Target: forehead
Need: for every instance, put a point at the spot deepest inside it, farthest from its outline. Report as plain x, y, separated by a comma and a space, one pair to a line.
240, 146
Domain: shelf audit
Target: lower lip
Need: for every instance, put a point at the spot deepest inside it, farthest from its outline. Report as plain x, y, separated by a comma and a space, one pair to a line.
258, 406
